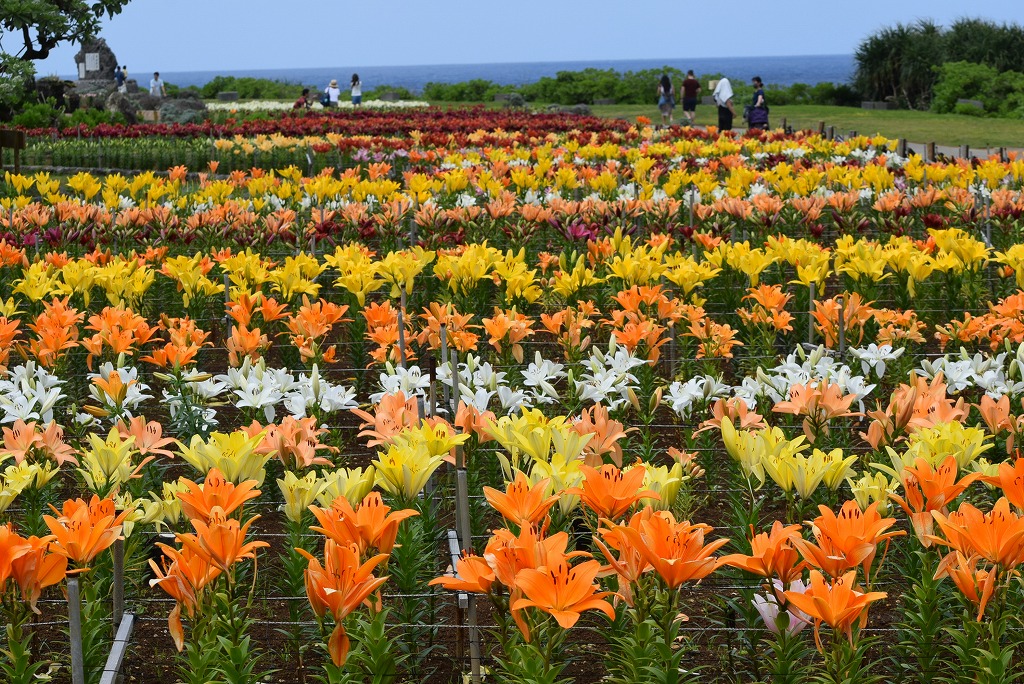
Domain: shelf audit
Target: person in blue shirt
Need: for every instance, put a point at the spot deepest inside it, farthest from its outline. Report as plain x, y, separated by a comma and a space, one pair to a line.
758, 115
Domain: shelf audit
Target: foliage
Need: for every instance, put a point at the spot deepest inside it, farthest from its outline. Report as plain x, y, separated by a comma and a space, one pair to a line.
376, 93
902, 62
249, 88
475, 90
1001, 94
39, 115
15, 77
52, 22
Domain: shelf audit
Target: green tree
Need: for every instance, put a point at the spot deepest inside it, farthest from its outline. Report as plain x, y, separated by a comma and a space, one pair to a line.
899, 63
29, 29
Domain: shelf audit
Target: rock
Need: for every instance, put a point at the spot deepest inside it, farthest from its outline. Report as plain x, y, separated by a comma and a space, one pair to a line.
605, 101
144, 101
182, 110
502, 97
580, 110
119, 103
227, 96
515, 101
978, 104
53, 88
96, 61
390, 97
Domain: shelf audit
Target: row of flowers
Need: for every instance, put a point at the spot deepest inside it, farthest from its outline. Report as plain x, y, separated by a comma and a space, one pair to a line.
357, 122
287, 106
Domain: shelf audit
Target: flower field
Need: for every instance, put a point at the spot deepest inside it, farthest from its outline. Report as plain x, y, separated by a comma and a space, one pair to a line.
545, 400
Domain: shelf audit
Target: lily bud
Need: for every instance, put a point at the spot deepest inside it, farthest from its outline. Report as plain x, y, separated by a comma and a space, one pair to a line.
655, 401
633, 399
96, 411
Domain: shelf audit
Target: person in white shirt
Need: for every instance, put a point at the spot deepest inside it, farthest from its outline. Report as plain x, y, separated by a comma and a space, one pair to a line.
333, 93
156, 86
357, 90
723, 98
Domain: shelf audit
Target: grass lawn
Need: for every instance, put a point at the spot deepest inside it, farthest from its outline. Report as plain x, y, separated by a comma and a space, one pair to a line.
919, 127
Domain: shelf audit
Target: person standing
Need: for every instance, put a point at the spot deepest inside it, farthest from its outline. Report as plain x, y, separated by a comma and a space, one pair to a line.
118, 78
666, 98
723, 98
691, 91
156, 86
124, 79
758, 117
357, 91
333, 92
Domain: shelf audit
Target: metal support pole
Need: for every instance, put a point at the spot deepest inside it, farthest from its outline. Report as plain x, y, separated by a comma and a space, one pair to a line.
227, 300
842, 328
118, 650
810, 314
117, 610
401, 333
75, 631
693, 198
456, 389
444, 359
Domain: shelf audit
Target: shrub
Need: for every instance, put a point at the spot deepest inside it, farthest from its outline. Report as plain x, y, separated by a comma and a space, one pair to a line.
39, 115
251, 88
375, 93
1001, 94
94, 117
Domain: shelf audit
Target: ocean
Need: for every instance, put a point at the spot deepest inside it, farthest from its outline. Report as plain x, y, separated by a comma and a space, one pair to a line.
783, 71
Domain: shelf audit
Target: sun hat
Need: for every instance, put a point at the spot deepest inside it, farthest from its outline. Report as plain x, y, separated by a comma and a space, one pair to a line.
334, 83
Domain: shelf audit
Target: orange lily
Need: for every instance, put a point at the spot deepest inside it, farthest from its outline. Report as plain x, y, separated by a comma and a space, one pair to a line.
521, 504
84, 530
997, 536
37, 568
977, 585
837, 603
183, 580
472, 574
630, 563
1011, 480
606, 435
563, 591
221, 541
771, 554
370, 526
610, 492
148, 436
198, 501
846, 540
340, 586
676, 550
930, 490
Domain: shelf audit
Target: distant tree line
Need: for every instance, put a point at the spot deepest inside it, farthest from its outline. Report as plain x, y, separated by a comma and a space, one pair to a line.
632, 87
924, 65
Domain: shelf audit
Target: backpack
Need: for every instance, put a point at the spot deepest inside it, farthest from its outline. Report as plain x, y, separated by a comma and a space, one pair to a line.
325, 99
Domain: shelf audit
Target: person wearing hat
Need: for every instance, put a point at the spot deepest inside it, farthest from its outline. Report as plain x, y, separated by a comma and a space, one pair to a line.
333, 92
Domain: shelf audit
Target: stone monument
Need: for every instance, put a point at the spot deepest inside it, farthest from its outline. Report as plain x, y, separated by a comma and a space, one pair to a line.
96, 63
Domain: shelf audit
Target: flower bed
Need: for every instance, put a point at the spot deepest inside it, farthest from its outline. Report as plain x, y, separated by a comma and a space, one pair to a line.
765, 383
284, 106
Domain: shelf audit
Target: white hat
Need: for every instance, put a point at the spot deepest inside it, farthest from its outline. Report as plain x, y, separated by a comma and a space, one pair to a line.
334, 83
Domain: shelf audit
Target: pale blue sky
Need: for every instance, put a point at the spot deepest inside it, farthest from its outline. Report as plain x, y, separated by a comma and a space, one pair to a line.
212, 35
